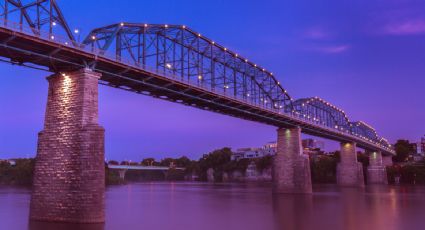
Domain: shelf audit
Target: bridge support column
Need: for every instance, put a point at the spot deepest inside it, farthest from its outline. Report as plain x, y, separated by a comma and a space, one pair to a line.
291, 168
387, 161
376, 172
349, 171
69, 174
121, 173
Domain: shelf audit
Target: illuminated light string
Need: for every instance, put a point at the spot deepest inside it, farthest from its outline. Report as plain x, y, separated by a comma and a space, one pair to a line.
309, 101
212, 42
377, 140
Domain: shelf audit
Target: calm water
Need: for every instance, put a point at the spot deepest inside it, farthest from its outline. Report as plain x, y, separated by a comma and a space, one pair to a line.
196, 206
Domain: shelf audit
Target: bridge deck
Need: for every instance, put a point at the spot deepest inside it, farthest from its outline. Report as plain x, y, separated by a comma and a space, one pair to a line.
139, 167
24, 47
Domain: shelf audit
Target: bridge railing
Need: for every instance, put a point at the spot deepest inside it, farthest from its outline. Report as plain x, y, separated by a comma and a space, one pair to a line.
97, 52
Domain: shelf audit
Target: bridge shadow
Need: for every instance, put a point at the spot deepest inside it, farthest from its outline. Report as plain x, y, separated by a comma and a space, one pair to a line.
40, 225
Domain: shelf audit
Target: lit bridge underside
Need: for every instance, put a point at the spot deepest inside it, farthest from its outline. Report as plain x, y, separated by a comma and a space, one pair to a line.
172, 63
140, 167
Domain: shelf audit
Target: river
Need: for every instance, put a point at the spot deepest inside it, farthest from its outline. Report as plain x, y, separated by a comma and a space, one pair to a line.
203, 206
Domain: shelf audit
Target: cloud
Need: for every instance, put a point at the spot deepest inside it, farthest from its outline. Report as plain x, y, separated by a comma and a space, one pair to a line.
409, 27
321, 40
331, 49
317, 33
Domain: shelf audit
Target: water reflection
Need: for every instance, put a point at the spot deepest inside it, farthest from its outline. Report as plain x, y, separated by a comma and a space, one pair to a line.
39, 225
330, 207
292, 211
194, 206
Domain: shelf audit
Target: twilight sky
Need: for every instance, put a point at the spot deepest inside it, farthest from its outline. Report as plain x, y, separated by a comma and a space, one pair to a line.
365, 56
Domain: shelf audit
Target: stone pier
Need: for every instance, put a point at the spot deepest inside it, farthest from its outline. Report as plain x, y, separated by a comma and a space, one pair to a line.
69, 174
349, 171
376, 172
121, 173
387, 161
291, 168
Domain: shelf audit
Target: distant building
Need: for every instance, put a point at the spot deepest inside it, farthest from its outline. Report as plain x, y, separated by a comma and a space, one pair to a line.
311, 143
11, 162
268, 149
271, 147
417, 157
413, 148
310, 146
313, 147
250, 153
251, 171
420, 146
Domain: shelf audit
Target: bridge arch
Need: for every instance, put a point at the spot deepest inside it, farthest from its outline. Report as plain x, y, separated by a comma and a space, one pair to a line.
40, 15
365, 131
182, 53
321, 112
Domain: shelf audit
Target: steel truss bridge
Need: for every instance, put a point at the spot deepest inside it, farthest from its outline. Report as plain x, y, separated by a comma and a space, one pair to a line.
174, 63
140, 167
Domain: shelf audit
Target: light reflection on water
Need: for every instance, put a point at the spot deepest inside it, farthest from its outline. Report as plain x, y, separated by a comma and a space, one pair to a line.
236, 206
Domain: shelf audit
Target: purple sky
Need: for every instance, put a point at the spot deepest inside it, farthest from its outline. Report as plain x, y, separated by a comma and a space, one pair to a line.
366, 57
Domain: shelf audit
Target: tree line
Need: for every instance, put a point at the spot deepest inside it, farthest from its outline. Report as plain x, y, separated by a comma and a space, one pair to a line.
323, 167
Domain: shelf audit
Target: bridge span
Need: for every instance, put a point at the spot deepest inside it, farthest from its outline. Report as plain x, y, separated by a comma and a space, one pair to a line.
122, 169
169, 62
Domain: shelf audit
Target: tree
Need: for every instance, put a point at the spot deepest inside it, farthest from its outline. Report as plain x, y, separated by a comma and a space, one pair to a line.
112, 162
323, 169
402, 148
264, 163
193, 167
21, 173
149, 161
182, 162
218, 159
363, 158
166, 162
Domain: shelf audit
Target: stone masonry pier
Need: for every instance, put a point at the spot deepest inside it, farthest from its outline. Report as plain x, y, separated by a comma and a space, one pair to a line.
291, 168
69, 168
349, 171
376, 172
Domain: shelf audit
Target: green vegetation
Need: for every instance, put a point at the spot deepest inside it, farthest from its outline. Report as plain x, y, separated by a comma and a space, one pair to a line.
217, 160
323, 169
220, 161
19, 174
412, 173
112, 177
403, 149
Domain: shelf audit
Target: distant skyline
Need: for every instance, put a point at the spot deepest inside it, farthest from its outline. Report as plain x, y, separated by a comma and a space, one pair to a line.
366, 57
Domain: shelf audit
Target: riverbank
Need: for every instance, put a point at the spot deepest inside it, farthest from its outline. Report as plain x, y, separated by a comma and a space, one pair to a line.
20, 172
218, 167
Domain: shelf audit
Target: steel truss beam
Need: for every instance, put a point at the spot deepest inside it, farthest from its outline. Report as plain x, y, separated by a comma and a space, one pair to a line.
37, 14
186, 55
321, 112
